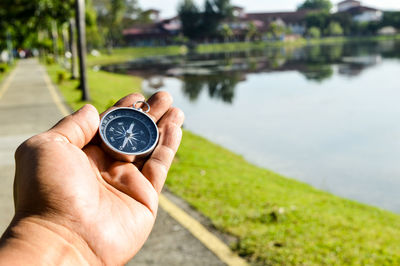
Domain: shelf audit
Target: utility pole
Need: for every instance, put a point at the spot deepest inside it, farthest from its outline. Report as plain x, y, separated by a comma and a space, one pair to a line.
80, 23
73, 49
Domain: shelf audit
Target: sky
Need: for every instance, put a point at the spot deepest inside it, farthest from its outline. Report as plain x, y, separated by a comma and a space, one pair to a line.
168, 7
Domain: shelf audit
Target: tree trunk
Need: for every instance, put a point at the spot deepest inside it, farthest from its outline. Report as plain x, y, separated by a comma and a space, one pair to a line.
54, 35
73, 49
80, 23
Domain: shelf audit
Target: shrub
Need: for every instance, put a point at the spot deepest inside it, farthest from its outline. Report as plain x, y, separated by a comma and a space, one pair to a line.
61, 76
314, 32
334, 29
49, 60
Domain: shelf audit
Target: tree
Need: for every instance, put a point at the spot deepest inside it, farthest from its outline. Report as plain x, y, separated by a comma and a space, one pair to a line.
276, 30
24, 18
197, 23
391, 19
314, 32
226, 32
319, 20
325, 5
251, 31
113, 16
191, 18
345, 20
334, 29
93, 37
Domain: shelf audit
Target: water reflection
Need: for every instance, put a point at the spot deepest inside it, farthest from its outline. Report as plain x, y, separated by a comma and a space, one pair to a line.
220, 73
218, 86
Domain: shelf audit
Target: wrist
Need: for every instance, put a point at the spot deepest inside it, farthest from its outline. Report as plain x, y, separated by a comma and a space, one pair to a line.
33, 239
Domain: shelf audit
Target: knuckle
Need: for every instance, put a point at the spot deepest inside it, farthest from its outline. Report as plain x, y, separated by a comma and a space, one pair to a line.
178, 113
164, 96
26, 146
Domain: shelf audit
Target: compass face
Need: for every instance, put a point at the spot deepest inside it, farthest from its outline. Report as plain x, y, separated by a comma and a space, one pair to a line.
129, 131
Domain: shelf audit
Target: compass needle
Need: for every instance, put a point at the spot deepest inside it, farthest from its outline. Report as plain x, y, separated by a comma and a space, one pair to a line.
130, 141
125, 142
130, 128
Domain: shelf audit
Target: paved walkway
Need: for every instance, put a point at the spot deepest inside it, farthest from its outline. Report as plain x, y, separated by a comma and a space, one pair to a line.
27, 108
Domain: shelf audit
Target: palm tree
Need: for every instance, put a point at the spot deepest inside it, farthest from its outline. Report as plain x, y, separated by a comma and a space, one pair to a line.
226, 32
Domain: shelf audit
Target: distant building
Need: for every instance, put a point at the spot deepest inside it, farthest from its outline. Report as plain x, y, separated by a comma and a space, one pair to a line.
157, 33
294, 21
348, 4
359, 12
163, 31
389, 30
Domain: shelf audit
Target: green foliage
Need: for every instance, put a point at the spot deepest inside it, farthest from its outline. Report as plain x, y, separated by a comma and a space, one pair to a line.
113, 16
320, 20
391, 19
191, 18
276, 30
50, 59
198, 24
61, 76
345, 20
25, 18
314, 32
93, 37
343, 24
104, 87
334, 29
251, 31
325, 5
121, 55
226, 32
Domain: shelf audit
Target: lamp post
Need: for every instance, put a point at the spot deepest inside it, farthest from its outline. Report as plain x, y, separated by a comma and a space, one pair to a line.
80, 23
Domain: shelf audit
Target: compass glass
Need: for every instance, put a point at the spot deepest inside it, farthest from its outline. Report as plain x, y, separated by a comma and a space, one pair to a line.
128, 131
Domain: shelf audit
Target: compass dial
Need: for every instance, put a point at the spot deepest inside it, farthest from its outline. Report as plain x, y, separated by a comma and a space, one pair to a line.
129, 131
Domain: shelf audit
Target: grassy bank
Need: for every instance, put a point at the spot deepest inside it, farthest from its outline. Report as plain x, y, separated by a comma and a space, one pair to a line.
241, 46
126, 54
278, 221
5, 70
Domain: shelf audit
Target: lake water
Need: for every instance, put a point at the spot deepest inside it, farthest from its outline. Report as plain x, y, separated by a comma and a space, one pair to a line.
325, 115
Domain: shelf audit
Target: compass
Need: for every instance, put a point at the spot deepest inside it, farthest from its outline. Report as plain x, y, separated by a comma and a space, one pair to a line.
128, 132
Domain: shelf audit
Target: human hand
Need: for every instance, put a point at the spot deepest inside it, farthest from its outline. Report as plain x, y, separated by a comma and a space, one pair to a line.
76, 204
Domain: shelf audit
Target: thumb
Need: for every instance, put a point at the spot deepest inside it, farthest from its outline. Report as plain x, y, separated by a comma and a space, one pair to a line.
80, 127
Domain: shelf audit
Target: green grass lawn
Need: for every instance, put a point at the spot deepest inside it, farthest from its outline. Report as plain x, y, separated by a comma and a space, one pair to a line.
277, 221
280, 221
105, 88
7, 70
126, 54
241, 46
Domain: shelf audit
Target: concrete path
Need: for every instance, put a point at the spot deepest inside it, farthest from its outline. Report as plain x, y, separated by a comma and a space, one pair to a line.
27, 108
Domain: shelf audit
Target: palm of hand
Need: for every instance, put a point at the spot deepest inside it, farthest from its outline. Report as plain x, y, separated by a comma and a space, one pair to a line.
111, 205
